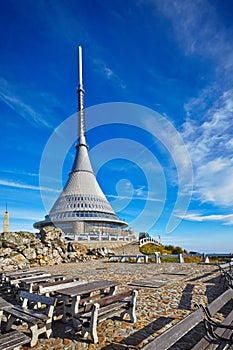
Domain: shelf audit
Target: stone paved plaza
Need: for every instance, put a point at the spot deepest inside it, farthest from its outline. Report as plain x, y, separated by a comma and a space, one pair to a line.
167, 293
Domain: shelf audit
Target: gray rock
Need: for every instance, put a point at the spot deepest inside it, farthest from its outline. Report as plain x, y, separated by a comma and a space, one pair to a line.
29, 253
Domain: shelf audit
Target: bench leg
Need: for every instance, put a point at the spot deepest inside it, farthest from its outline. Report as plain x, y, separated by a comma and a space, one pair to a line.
66, 309
132, 309
34, 335
48, 330
35, 331
91, 327
10, 321
75, 305
93, 323
85, 329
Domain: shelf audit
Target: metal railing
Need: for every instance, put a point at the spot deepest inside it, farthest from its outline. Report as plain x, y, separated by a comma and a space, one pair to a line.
144, 241
180, 257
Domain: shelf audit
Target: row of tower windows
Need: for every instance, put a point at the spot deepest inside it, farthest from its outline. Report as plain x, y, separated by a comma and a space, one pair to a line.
81, 205
83, 198
82, 214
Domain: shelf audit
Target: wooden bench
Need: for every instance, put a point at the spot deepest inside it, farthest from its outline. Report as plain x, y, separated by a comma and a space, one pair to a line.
129, 258
226, 271
13, 340
54, 287
216, 336
7, 276
38, 322
92, 313
17, 283
28, 283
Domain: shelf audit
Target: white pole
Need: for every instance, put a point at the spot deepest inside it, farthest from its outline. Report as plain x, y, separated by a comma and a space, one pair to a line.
80, 72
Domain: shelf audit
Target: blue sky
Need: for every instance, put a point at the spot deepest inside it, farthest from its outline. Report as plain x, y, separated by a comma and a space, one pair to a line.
175, 59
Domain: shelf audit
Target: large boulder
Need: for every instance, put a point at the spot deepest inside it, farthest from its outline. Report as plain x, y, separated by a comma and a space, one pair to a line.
52, 236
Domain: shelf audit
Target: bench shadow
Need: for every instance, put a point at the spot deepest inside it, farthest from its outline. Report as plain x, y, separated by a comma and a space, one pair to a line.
186, 298
137, 337
202, 276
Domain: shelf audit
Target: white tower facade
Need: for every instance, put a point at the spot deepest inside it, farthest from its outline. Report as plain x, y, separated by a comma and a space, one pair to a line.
6, 221
82, 208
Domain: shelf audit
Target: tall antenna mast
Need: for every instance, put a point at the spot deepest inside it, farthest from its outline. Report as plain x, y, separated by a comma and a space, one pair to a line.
81, 115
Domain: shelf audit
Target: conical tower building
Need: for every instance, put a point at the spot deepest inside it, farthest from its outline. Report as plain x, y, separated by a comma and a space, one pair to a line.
82, 208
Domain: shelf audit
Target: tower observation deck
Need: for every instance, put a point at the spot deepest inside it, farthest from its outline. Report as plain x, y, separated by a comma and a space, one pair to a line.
82, 208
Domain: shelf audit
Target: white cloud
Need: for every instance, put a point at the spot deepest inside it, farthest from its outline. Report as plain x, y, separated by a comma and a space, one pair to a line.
225, 219
21, 100
25, 186
198, 29
210, 147
138, 197
108, 73
18, 172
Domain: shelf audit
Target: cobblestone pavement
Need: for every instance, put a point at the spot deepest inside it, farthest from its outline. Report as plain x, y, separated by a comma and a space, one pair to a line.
157, 308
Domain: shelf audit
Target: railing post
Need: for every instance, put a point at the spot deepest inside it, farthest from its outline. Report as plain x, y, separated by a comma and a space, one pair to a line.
205, 258
180, 258
157, 258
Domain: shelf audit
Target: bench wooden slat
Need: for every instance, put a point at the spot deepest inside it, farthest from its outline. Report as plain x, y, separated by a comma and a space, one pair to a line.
104, 310
50, 284
58, 286
32, 313
106, 301
4, 304
31, 278
22, 316
10, 340
88, 287
113, 309
13, 274
37, 298
176, 332
41, 278
218, 303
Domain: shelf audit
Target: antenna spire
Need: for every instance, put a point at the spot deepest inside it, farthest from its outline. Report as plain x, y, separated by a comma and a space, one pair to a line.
81, 115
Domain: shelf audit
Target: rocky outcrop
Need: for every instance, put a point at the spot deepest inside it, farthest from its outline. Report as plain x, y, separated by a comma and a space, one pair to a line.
19, 250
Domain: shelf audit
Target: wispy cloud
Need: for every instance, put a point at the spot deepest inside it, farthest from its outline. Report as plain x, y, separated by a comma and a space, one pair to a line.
25, 186
22, 100
225, 219
108, 73
211, 148
18, 172
197, 28
137, 197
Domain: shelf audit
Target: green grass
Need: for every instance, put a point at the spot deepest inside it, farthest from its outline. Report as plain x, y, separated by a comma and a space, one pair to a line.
150, 248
